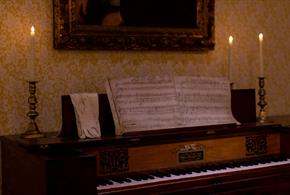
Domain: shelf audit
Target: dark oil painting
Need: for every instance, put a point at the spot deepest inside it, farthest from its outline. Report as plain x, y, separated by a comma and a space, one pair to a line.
144, 13
134, 25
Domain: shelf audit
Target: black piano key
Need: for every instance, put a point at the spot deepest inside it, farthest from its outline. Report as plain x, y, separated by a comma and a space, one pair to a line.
216, 167
143, 176
174, 172
102, 182
194, 169
135, 177
275, 159
189, 170
247, 163
269, 159
184, 171
160, 174
166, 174
108, 182
222, 166
127, 180
202, 169
262, 162
238, 164
255, 162
219, 167
150, 176
120, 179
140, 176
284, 158
232, 165
211, 168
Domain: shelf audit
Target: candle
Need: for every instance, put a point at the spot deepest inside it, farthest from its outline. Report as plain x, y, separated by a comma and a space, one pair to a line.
32, 34
32, 31
261, 55
231, 39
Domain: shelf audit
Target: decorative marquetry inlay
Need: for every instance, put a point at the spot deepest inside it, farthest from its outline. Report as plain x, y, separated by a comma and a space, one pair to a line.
112, 161
256, 145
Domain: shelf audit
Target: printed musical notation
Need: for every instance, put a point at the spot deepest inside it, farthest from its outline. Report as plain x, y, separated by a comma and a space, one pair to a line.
163, 102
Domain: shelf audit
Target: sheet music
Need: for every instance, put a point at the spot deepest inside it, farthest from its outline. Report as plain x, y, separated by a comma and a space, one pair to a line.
143, 103
203, 101
162, 102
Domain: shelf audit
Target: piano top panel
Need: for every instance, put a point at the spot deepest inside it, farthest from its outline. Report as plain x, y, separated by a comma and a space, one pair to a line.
51, 140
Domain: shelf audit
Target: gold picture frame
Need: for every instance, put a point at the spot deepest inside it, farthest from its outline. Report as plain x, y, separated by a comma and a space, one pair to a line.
71, 34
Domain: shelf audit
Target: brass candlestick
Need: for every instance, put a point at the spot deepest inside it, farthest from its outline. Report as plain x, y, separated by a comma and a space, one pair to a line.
262, 103
32, 130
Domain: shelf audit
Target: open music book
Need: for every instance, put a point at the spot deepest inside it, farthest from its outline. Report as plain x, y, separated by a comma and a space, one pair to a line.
164, 102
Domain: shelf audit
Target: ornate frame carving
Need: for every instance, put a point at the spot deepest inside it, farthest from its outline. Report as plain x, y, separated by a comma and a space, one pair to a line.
70, 35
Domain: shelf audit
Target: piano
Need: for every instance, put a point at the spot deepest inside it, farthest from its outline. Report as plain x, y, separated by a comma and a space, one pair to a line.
250, 158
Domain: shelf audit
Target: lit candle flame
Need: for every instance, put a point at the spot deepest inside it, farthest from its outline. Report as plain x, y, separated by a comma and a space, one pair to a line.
231, 39
261, 37
32, 31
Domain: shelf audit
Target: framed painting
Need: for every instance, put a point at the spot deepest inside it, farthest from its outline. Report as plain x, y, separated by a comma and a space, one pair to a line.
184, 25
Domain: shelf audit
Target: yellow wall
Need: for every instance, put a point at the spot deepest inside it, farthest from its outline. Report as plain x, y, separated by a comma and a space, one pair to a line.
64, 72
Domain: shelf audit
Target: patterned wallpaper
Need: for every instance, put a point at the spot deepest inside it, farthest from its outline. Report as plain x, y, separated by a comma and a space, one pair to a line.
64, 72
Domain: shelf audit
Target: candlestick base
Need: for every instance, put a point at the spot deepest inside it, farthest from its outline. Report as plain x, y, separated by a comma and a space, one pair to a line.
32, 130
262, 103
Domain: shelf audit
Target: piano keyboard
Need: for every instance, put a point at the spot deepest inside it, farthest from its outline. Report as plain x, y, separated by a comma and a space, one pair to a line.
139, 179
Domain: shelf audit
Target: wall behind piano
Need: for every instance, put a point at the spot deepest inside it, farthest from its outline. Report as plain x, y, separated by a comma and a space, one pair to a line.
64, 72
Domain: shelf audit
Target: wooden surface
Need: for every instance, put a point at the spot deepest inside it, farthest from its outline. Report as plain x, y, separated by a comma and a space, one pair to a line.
54, 166
37, 172
162, 156
51, 140
215, 150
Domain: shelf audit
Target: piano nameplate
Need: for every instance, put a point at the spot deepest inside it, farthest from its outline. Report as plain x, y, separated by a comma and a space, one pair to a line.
190, 153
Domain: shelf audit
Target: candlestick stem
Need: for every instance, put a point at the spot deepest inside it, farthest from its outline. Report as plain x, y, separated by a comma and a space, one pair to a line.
262, 103
32, 130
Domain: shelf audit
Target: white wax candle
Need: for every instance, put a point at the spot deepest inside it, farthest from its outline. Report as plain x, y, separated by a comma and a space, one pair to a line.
261, 55
32, 34
231, 39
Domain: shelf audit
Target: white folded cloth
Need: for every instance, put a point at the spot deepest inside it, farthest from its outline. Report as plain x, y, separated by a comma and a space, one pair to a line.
86, 106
